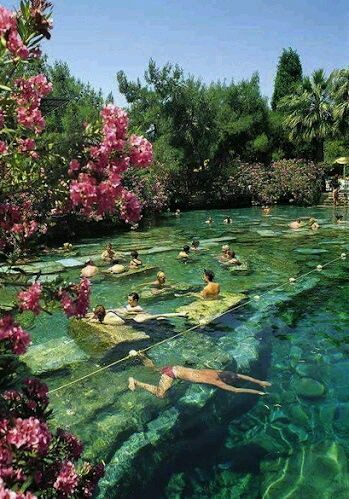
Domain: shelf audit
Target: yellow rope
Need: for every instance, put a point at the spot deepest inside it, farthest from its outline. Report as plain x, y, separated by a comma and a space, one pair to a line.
241, 305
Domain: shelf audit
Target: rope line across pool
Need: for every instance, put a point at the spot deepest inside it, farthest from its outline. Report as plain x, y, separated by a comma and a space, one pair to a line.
193, 328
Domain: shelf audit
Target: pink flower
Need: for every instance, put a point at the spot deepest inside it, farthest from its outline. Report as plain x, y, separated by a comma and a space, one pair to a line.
36, 390
30, 434
72, 443
141, 151
131, 207
26, 145
67, 480
30, 299
10, 494
7, 20
2, 120
16, 46
3, 147
12, 333
78, 304
74, 166
115, 122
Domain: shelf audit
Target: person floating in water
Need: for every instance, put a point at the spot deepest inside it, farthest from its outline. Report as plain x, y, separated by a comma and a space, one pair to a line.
212, 289
209, 221
195, 245
135, 311
160, 282
66, 248
103, 316
296, 224
339, 219
135, 261
90, 269
228, 220
231, 258
108, 254
266, 210
313, 224
213, 377
133, 306
184, 254
224, 256
117, 267
178, 212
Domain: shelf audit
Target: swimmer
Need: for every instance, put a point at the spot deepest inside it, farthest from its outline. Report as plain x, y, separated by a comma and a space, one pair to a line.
160, 282
339, 219
266, 210
103, 316
213, 377
90, 269
232, 258
224, 256
227, 220
209, 221
212, 289
297, 224
195, 245
178, 212
133, 306
117, 267
108, 254
135, 261
313, 224
184, 254
66, 247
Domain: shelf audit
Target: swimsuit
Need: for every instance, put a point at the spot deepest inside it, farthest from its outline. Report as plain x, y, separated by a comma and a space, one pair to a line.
168, 370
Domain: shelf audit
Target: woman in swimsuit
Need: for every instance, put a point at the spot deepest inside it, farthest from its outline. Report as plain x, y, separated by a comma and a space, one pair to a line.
220, 379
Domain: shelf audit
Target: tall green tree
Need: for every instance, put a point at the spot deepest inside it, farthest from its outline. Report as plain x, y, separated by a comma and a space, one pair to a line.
309, 112
340, 96
288, 75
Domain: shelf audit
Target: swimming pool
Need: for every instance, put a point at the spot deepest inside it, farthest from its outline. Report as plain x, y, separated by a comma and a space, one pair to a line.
198, 441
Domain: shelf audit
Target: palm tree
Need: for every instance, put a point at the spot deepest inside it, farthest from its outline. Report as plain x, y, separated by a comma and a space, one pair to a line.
340, 96
309, 112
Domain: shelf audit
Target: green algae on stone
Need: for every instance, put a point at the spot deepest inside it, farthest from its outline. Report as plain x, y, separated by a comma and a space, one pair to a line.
95, 338
308, 388
319, 470
53, 355
133, 272
203, 311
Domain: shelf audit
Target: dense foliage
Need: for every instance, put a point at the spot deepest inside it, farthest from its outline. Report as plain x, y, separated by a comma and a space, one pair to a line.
288, 76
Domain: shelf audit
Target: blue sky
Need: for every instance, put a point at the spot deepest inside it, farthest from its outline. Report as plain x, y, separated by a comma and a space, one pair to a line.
213, 39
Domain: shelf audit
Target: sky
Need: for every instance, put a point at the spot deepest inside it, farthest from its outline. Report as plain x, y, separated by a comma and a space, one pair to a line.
210, 39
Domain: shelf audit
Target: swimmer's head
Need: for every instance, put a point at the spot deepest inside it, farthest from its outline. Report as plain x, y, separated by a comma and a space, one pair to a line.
89, 262
109, 246
339, 217
133, 299
225, 248
134, 254
99, 312
312, 221
186, 249
195, 243
161, 277
208, 275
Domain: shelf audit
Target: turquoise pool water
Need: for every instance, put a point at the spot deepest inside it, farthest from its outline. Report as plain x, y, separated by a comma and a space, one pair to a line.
198, 441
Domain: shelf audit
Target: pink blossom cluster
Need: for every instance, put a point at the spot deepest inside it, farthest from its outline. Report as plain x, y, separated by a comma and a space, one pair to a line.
73, 445
30, 299
67, 479
30, 434
3, 147
96, 188
13, 335
28, 97
9, 33
76, 300
27, 147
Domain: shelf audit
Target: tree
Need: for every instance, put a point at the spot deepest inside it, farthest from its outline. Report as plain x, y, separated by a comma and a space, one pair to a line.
340, 96
309, 112
288, 75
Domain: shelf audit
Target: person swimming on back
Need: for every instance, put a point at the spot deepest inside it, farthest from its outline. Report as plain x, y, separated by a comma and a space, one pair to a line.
184, 254
117, 267
214, 377
228, 220
90, 269
108, 254
195, 245
297, 224
212, 289
103, 316
135, 261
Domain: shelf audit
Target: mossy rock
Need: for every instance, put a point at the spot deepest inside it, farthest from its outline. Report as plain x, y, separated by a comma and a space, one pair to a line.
243, 268
309, 388
53, 355
70, 263
203, 311
44, 268
310, 251
96, 339
7, 298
